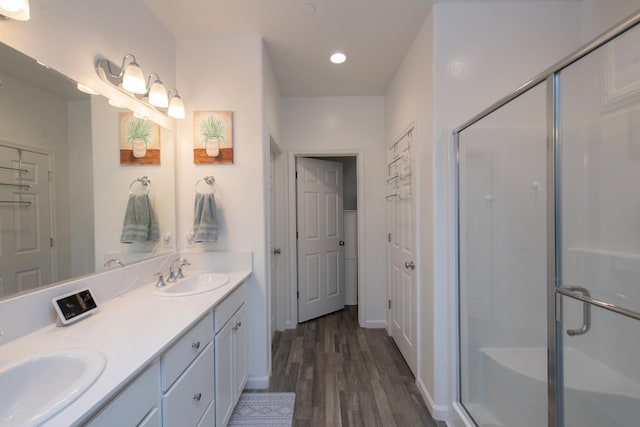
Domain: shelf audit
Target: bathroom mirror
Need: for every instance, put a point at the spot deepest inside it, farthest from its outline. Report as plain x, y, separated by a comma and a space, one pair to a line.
63, 190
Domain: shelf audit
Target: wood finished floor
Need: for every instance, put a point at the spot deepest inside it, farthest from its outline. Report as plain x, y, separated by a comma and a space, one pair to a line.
344, 375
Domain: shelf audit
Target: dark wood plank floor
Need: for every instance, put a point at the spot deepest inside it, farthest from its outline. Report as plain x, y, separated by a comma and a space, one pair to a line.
344, 375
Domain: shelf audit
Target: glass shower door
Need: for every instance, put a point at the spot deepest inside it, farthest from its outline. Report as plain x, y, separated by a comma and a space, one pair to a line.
598, 240
503, 282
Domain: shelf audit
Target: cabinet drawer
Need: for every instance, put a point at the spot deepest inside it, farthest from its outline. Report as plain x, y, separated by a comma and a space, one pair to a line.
230, 305
177, 358
187, 400
133, 404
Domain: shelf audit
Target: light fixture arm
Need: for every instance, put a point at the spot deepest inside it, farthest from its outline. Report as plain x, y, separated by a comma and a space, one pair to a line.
157, 79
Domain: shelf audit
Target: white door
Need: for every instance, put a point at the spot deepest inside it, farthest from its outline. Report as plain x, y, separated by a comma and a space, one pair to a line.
402, 259
275, 251
320, 234
25, 221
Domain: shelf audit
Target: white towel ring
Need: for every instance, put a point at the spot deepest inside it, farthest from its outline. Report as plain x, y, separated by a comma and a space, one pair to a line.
209, 180
144, 181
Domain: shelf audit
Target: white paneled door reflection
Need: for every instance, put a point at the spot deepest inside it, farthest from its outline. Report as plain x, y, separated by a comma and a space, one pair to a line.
25, 220
320, 234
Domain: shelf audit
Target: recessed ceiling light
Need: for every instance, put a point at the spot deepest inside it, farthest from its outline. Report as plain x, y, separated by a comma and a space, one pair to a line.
338, 58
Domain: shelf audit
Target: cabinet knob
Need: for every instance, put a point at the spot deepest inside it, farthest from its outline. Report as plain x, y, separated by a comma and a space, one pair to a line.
195, 345
239, 324
197, 397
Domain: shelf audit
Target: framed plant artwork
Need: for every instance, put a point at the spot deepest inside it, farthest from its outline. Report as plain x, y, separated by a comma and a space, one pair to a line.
213, 137
139, 141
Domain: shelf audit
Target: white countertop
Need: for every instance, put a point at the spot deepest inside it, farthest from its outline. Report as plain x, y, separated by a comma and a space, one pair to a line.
131, 330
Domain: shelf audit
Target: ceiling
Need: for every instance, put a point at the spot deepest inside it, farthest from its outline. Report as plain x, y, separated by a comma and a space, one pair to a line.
375, 35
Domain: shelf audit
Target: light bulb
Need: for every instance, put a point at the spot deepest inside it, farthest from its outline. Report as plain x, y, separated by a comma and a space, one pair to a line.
133, 79
176, 107
15, 9
338, 58
158, 95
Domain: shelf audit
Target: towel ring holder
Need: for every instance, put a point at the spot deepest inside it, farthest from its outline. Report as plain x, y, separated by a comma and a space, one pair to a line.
209, 180
144, 181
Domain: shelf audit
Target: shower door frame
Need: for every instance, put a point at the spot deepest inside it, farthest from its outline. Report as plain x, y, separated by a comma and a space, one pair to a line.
555, 291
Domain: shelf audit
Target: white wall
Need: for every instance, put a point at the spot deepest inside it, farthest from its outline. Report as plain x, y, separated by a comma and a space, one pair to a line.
598, 16
82, 241
337, 126
226, 74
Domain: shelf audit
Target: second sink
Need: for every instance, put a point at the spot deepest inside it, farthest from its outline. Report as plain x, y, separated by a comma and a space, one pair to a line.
37, 387
192, 285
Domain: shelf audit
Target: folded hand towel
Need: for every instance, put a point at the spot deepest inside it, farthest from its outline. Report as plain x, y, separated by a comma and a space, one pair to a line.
205, 218
140, 223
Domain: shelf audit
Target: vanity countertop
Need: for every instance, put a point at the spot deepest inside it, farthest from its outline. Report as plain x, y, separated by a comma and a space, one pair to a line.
131, 330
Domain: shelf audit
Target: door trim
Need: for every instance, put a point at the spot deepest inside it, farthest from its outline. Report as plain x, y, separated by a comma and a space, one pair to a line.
292, 321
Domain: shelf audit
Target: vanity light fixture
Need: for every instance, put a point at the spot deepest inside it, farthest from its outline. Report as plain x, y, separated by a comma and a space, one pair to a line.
129, 79
15, 9
157, 92
176, 106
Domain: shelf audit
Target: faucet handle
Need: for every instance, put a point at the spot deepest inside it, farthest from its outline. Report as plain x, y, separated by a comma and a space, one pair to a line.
160, 283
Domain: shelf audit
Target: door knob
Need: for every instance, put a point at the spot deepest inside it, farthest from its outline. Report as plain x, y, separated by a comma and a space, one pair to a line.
276, 251
341, 243
410, 264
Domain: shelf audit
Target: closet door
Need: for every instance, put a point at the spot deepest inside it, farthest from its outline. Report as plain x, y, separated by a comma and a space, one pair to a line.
25, 221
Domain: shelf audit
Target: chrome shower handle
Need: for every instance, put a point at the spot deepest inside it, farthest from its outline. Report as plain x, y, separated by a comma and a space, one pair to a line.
586, 312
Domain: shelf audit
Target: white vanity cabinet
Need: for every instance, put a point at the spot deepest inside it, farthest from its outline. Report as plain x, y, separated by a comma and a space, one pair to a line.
187, 376
230, 353
137, 405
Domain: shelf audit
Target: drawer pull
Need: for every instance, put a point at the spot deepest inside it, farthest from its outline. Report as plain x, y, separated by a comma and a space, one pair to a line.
197, 397
195, 345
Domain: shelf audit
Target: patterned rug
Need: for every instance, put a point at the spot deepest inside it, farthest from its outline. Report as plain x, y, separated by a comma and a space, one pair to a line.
264, 410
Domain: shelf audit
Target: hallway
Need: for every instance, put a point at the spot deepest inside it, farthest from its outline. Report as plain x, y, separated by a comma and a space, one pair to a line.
344, 375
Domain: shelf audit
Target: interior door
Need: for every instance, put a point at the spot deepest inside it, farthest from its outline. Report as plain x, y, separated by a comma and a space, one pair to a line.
25, 221
275, 251
401, 252
320, 237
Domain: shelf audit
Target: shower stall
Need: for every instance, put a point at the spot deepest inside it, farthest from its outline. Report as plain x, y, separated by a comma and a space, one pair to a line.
549, 245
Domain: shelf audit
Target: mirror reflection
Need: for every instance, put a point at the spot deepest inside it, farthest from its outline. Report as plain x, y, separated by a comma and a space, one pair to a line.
64, 189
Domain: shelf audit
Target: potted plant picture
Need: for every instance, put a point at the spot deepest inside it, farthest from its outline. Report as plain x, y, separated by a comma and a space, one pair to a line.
211, 135
139, 132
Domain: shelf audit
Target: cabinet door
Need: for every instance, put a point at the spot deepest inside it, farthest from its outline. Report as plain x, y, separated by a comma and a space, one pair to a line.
225, 389
240, 347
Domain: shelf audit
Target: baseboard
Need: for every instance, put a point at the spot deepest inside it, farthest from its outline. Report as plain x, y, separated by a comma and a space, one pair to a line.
439, 412
375, 324
290, 325
254, 383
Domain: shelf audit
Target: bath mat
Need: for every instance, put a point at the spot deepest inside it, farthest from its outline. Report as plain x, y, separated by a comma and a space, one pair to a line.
264, 410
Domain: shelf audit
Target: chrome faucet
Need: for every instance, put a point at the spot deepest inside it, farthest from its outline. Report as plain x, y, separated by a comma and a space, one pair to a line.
113, 261
173, 276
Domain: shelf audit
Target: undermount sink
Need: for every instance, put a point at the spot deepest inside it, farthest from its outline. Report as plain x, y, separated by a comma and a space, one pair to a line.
35, 388
193, 285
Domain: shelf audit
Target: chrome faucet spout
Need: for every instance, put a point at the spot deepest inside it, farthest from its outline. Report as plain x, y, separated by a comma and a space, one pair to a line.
173, 276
